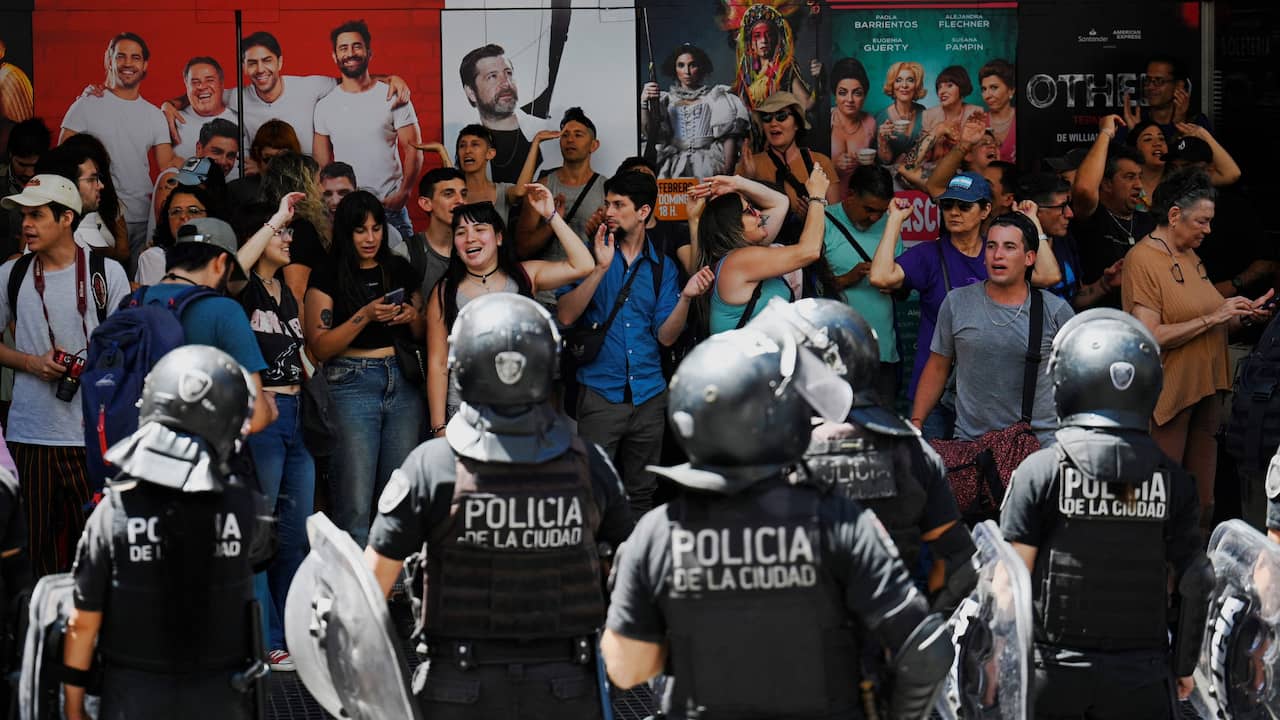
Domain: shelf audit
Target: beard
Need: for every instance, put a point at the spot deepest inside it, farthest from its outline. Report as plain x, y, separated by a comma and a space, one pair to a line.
501, 106
356, 72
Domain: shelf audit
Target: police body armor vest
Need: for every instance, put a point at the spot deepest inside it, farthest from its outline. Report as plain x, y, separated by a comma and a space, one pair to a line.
183, 583
880, 472
1101, 582
517, 558
755, 619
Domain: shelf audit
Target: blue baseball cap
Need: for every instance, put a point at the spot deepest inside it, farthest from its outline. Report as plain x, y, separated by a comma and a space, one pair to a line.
967, 187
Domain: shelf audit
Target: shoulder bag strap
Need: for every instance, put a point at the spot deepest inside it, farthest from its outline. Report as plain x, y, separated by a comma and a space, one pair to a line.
581, 196
942, 263
622, 296
751, 305
20, 268
848, 236
1033, 359
785, 175
98, 268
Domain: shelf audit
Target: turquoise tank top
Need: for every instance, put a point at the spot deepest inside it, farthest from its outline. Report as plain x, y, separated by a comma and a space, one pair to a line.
725, 316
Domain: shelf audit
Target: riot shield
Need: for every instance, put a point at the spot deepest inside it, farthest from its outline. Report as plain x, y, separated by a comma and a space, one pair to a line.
1239, 658
992, 630
340, 633
40, 686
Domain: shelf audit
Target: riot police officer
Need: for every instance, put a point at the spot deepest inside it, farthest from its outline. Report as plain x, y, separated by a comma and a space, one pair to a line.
1273, 497
510, 506
1101, 519
164, 570
874, 456
752, 590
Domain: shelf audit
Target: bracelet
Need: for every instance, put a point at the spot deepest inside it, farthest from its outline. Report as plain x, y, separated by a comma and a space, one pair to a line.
814, 199
551, 217
1205, 321
438, 428
274, 229
1109, 133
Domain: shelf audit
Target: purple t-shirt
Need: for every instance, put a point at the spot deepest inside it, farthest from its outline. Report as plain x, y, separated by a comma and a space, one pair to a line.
923, 270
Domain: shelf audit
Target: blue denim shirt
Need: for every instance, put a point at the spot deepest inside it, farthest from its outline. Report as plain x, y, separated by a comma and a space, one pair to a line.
630, 355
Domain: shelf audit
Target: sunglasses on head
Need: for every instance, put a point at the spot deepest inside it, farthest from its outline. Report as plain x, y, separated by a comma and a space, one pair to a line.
779, 116
948, 204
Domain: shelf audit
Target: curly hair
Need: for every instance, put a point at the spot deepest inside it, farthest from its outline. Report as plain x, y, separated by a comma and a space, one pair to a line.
917, 70
292, 172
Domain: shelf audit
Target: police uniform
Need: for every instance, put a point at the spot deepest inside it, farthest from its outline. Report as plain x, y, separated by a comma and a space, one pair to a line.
15, 573
509, 509
1273, 493
168, 556
760, 587
1108, 513
512, 582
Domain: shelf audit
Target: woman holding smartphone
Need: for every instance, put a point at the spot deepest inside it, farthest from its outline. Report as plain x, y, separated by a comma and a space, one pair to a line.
356, 309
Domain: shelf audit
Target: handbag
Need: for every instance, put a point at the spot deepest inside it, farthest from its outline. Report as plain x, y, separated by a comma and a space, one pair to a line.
978, 471
411, 356
582, 344
319, 431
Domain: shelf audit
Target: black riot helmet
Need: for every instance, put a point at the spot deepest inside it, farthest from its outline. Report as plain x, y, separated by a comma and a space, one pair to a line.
504, 350
1106, 371
845, 342
738, 400
202, 391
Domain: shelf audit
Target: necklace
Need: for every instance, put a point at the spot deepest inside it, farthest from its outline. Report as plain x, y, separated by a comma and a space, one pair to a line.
269, 282
987, 301
1128, 230
175, 276
484, 279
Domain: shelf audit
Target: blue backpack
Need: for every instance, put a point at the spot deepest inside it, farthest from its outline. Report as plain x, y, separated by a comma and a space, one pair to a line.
122, 350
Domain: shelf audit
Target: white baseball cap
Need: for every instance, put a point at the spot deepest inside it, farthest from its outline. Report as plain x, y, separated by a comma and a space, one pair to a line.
44, 189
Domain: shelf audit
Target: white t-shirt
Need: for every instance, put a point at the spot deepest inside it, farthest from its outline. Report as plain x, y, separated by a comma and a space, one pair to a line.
37, 416
296, 106
128, 129
362, 128
190, 133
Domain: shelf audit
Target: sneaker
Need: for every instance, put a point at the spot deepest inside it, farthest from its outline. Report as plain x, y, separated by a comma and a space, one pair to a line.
280, 661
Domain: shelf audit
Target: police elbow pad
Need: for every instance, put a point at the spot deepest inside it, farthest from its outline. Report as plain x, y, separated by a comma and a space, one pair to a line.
1195, 589
920, 668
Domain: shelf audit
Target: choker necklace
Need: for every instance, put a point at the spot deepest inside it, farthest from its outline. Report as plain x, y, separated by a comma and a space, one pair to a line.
484, 279
267, 281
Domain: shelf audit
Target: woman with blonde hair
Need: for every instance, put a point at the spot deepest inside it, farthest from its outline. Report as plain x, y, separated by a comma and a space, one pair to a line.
901, 123
288, 173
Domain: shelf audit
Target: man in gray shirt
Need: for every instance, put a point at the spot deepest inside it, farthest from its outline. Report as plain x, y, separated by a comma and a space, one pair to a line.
982, 329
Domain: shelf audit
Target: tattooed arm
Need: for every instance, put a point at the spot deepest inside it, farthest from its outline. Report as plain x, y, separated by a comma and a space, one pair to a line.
323, 339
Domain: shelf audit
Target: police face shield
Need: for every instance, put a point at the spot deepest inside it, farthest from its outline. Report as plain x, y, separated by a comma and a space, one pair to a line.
992, 630
340, 633
826, 392
1239, 661
40, 684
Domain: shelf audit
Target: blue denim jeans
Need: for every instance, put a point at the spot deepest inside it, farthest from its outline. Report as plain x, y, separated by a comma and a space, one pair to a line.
399, 219
287, 476
378, 413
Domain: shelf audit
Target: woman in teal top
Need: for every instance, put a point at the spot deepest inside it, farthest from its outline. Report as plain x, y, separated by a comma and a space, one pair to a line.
740, 220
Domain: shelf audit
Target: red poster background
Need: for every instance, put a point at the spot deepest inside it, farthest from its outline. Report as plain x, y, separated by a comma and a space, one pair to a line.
71, 38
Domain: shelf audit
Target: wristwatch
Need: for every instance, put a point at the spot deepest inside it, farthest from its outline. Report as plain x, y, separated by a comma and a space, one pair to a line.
1238, 284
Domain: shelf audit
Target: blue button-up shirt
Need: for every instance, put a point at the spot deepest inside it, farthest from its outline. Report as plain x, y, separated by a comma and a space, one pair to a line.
630, 355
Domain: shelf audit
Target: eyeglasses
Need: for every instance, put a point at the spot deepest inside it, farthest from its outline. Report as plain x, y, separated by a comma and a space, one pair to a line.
1060, 207
188, 211
778, 116
1156, 81
949, 204
1177, 272
91, 179
285, 233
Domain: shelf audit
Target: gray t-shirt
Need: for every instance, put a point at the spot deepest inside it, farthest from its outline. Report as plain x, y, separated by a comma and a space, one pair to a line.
592, 202
988, 342
37, 416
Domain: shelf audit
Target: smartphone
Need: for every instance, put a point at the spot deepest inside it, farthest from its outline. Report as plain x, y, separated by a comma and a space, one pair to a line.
1270, 304
395, 297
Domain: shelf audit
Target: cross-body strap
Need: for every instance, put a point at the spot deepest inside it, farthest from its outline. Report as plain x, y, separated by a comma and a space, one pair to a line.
622, 295
848, 236
942, 263
98, 269
1032, 365
581, 196
785, 175
751, 305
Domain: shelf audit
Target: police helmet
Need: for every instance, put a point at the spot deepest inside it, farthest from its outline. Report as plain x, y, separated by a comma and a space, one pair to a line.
733, 402
1106, 371
504, 350
845, 342
202, 391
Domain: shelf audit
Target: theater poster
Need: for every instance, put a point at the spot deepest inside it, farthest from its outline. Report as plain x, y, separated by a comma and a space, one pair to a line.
519, 69
925, 68
713, 62
1086, 57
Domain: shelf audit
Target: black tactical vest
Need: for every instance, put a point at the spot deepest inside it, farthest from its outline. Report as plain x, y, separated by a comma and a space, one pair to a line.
882, 473
1100, 581
516, 558
755, 619
182, 581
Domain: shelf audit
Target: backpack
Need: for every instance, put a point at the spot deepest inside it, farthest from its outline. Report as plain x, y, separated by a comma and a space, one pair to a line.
122, 350
1253, 428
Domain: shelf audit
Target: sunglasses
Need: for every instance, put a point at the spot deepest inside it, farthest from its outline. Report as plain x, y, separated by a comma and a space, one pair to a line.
779, 116
949, 204
1177, 272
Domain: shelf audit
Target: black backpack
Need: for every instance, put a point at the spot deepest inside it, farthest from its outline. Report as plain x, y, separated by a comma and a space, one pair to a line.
1253, 429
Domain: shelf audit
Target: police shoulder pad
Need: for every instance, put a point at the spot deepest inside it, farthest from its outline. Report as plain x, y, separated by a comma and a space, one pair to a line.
394, 493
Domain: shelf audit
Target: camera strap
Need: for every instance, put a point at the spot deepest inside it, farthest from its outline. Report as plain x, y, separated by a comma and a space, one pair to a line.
82, 294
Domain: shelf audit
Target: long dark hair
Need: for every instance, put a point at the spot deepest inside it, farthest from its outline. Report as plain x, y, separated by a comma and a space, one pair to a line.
350, 214
481, 213
108, 200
